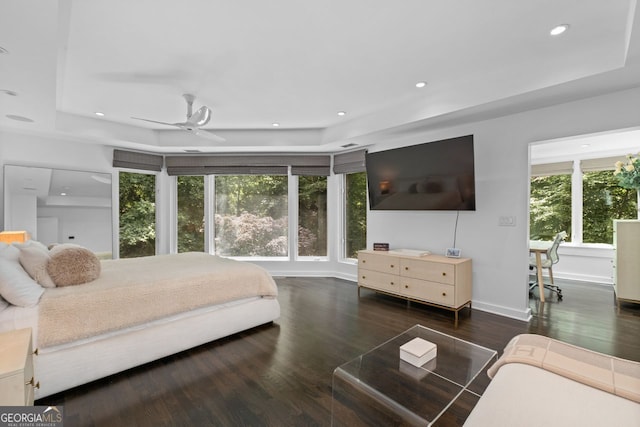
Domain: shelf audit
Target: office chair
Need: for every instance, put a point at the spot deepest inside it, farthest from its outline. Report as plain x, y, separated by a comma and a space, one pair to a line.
550, 259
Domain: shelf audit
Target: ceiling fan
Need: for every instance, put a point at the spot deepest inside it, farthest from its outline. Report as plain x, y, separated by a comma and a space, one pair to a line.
194, 121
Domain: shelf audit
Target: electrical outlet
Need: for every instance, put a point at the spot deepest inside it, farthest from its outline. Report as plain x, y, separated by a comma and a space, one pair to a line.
507, 221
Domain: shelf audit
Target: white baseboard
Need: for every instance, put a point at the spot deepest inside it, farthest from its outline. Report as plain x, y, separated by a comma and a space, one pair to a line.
524, 316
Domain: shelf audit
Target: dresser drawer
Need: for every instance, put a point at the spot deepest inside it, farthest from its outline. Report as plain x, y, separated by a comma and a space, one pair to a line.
431, 271
377, 280
381, 263
434, 292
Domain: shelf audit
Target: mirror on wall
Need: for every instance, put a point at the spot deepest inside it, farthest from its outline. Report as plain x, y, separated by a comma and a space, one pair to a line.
60, 206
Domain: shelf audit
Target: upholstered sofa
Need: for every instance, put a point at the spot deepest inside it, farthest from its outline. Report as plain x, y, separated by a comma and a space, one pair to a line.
540, 381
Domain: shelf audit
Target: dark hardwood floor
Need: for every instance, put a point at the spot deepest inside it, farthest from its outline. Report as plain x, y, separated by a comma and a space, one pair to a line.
280, 374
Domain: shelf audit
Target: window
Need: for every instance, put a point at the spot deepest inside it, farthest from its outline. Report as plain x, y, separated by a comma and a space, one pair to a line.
312, 216
251, 217
603, 201
137, 214
190, 214
550, 207
355, 213
591, 204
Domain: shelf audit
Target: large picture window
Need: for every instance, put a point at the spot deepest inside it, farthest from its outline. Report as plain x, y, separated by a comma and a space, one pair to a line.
550, 207
355, 213
190, 214
251, 215
137, 214
603, 201
591, 204
312, 216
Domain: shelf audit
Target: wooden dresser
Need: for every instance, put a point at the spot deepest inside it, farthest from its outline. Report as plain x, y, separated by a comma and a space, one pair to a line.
433, 279
16, 368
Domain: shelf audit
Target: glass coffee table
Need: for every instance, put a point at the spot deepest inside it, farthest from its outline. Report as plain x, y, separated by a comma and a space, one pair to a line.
379, 388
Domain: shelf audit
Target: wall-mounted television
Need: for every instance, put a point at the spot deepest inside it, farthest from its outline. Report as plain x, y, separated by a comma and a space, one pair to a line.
436, 175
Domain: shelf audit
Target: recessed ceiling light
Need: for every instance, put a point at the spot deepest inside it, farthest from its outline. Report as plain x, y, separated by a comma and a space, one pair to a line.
556, 31
99, 113
342, 113
9, 92
3, 50
275, 125
19, 118
421, 84
63, 194
585, 145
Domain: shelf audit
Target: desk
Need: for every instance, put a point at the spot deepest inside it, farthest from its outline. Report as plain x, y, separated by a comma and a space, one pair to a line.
539, 247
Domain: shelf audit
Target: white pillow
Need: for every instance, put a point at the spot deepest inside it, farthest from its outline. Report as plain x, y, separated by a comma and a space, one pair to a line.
16, 286
9, 252
30, 243
34, 261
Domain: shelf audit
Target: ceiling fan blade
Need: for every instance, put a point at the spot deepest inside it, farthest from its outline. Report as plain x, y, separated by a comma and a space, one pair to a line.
200, 117
155, 121
205, 134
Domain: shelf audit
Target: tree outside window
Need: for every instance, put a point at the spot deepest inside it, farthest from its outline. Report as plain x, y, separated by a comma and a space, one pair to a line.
137, 214
550, 207
355, 213
312, 216
603, 201
190, 214
251, 216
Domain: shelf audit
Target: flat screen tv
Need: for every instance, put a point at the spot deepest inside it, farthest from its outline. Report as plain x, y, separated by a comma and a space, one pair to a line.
436, 175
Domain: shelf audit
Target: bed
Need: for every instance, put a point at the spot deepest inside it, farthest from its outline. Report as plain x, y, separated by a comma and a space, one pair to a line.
136, 311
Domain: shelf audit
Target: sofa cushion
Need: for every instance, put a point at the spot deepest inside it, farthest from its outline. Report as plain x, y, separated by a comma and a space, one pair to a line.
524, 395
72, 265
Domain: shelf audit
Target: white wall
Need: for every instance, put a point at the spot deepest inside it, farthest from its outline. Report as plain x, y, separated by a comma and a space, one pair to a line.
500, 254
83, 226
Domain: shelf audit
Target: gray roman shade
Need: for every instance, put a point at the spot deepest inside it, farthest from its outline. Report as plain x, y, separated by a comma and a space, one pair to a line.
603, 164
136, 160
546, 169
248, 165
351, 162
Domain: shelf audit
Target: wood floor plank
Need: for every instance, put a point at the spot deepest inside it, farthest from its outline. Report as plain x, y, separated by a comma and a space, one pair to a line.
280, 374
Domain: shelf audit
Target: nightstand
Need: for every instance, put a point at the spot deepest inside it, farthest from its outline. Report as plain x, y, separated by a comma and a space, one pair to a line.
16, 368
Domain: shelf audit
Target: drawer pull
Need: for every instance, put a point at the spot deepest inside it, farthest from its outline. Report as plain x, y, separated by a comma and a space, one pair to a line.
364, 261
392, 265
444, 294
32, 383
406, 286
444, 274
364, 277
392, 283
406, 268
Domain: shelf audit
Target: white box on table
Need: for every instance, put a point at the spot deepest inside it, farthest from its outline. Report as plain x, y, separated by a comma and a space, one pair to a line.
418, 351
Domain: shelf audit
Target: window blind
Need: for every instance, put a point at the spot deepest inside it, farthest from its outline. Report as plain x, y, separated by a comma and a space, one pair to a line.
351, 162
560, 168
605, 163
248, 165
136, 160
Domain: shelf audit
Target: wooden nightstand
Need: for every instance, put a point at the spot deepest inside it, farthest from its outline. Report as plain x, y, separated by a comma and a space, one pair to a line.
16, 368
